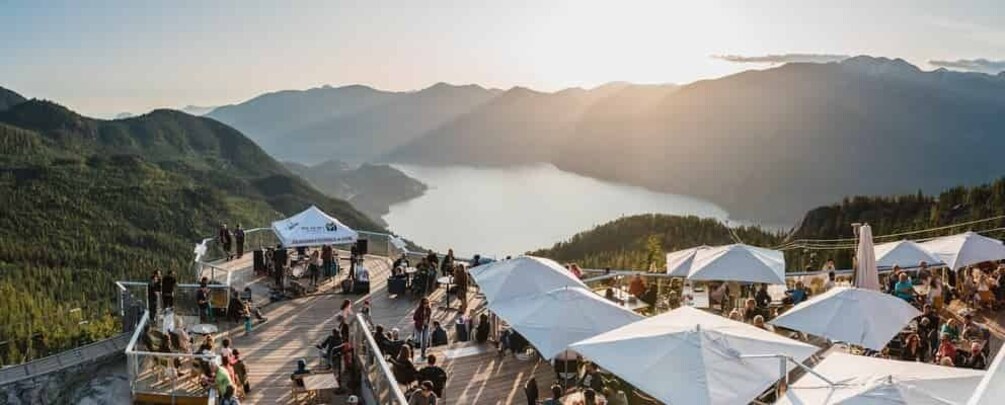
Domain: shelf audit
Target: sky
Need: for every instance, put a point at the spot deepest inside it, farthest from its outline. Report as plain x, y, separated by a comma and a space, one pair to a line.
104, 57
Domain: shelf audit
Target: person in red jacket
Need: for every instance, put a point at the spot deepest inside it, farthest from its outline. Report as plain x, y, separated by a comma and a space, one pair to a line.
422, 318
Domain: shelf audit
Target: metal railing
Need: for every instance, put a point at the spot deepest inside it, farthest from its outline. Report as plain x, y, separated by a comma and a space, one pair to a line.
379, 385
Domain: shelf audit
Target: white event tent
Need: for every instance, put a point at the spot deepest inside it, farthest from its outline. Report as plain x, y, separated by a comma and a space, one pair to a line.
964, 249
688, 356
313, 227
904, 253
520, 277
560, 317
861, 380
738, 262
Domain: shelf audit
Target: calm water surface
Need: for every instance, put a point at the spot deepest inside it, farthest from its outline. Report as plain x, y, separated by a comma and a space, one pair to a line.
501, 211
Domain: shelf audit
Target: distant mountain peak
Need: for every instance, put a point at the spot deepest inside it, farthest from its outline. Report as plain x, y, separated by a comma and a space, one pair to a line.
879, 65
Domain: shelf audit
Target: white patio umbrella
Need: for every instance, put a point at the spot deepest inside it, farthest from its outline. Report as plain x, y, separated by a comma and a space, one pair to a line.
861, 380
852, 315
521, 276
866, 274
905, 253
560, 317
679, 262
688, 356
964, 249
991, 390
738, 262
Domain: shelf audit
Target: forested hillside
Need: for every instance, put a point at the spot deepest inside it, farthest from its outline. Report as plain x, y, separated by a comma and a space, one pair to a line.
87, 202
640, 242
825, 232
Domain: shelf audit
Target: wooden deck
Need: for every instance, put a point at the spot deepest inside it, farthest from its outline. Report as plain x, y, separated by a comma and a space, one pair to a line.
296, 326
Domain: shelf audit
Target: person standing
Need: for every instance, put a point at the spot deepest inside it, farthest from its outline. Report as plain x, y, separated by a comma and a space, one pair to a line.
461, 282
314, 268
447, 264
279, 257
432, 258
225, 238
202, 299
167, 289
153, 293
327, 260
421, 318
239, 238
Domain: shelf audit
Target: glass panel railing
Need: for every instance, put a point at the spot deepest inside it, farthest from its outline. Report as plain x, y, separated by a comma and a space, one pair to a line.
379, 385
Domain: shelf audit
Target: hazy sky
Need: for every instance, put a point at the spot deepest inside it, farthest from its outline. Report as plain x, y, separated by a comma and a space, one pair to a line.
103, 57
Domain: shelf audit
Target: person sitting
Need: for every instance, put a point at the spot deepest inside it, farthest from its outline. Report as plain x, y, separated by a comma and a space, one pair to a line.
946, 350
913, 351
433, 373
483, 329
735, 315
229, 397
904, 289
400, 263
797, 294
975, 358
591, 378
759, 323
750, 310
301, 371
332, 348
650, 296
556, 395
971, 330
439, 335
637, 286
402, 367
951, 330
424, 396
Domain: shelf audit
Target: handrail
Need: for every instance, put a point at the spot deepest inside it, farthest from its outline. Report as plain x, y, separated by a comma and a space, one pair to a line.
136, 332
385, 369
64, 359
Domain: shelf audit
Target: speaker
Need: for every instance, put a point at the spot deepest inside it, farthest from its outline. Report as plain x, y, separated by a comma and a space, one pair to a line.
362, 247
259, 261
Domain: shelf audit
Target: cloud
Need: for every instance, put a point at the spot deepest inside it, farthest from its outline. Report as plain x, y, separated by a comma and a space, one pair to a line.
973, 65
783, 58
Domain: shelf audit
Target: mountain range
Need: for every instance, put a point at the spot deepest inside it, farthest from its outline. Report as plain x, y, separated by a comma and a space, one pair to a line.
371, 189
766, 145
87, 202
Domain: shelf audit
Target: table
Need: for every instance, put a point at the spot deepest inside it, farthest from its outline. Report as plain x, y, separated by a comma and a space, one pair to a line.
202, 329
627, 300
577, 397
324, 382
447, 282
698, 297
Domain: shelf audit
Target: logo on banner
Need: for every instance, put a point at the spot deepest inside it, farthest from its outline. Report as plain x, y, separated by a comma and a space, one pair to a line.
330, 227
292, 225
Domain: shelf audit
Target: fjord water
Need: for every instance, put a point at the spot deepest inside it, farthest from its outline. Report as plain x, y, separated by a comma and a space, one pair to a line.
507, 211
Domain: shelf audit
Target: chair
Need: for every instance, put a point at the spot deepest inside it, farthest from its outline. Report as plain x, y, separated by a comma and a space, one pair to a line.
298, 392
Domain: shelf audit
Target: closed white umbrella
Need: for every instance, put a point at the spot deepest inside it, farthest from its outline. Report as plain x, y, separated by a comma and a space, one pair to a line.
688, 356
863, 380
520, 277
991, 390
738, 262
554, 320
866, 274
905, 253
679, 262
852, 315
964, 249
